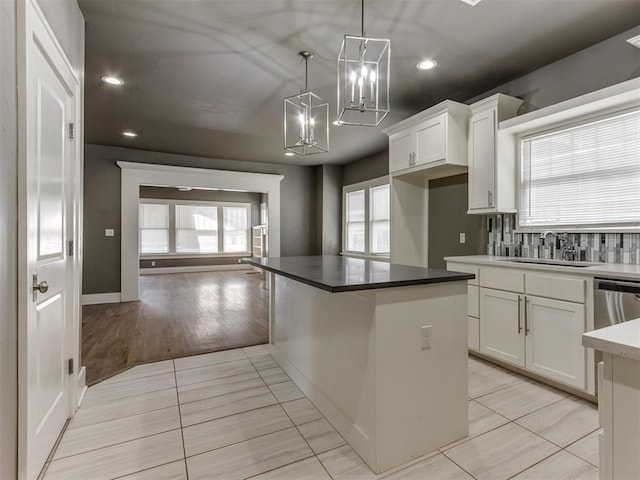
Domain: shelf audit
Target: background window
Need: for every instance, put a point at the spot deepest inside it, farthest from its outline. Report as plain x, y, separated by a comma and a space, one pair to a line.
380, 225
236, 229
196, 229
154, 228
355, 224
583, 176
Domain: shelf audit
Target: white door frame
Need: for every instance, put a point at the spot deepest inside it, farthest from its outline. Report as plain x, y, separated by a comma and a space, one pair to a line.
33, 27
136, 174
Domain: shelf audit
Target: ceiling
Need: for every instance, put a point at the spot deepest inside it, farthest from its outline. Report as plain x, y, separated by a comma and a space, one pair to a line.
208, 77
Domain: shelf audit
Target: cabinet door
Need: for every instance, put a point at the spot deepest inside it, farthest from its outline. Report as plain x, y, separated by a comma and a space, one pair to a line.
482, 150
401, 148
431, 137
501, 332
554, 340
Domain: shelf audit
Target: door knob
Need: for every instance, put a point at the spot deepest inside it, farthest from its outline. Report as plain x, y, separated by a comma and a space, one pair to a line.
41, 287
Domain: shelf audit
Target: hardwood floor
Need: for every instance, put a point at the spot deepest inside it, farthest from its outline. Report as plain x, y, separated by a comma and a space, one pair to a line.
177, 315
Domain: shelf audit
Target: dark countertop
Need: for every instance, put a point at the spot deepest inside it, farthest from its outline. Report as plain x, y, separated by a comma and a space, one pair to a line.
343, 274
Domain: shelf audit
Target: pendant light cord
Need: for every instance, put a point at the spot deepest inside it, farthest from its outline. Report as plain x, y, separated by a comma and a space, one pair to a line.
362, 17
306, 74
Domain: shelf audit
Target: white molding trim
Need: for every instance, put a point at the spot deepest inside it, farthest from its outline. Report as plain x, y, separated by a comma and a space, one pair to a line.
81, 386
136, 174
193, 268
99, 298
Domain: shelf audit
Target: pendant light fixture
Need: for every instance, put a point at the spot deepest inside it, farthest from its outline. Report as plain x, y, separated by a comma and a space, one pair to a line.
306, 119
363, 79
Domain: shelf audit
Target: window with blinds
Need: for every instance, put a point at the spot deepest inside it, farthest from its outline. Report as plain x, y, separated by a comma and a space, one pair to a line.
196, 229
154, 228
366, 218
583, 176
355, 221
380, 220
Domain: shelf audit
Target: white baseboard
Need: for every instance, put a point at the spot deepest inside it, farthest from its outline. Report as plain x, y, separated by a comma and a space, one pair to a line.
194, 268
81, 386
97, 298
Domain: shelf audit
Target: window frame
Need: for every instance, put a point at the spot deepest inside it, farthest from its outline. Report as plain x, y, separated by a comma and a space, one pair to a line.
366, 186
550, 129
168, 229
172, 203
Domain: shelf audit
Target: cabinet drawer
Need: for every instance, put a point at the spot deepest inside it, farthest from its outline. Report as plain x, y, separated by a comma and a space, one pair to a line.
473, 301
474, 333
465, 268
502, 279
553, 286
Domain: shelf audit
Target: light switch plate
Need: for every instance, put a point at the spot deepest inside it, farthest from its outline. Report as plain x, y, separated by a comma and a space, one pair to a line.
463, 237
109, 232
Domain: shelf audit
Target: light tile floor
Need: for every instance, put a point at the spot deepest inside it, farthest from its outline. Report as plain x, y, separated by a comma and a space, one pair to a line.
236, 415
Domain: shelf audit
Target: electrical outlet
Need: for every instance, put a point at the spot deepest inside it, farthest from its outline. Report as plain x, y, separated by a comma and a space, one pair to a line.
425, 338
463, 237
109, 232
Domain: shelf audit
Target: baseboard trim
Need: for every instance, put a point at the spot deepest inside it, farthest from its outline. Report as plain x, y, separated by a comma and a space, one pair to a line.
98, 298
81, 386
194, 268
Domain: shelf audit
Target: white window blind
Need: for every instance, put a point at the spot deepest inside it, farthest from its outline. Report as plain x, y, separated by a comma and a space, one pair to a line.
380, 225
196, 229
154, 228
236, 229
583, 176
355, 221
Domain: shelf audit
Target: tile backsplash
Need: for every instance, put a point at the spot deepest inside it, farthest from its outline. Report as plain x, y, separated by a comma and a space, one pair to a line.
590, 247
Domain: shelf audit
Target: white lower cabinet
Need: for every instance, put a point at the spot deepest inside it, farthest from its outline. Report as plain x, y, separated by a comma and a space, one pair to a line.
538, 334
553, 340
501, 333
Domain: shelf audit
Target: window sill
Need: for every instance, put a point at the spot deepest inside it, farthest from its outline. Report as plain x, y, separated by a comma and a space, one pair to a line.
380, 258
164, 256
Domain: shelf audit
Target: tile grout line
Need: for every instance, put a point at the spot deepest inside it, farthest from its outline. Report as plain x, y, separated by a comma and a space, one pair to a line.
184, 449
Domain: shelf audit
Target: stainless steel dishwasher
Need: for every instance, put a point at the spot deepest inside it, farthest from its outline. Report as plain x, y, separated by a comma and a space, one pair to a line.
615, 301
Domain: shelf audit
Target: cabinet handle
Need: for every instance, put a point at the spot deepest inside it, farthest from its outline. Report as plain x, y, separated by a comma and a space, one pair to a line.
490, 198
526, 316
519, 314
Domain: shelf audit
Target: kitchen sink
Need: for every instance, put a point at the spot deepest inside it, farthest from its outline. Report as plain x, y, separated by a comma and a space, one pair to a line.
541, 261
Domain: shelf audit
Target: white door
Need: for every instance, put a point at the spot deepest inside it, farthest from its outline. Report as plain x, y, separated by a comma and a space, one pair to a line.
501, 325
482, 153
47, 108
554, 340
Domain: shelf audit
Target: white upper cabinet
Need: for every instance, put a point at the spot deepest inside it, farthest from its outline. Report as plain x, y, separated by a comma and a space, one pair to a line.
492, 176
432, 143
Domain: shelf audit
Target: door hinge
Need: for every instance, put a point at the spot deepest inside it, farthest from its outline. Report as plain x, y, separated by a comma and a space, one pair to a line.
70, 249
72, 131
70, 366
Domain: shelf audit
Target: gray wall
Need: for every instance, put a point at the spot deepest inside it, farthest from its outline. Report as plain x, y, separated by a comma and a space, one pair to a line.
601, 65
102, 206
367, 168
8, 243
448, 218
328, 209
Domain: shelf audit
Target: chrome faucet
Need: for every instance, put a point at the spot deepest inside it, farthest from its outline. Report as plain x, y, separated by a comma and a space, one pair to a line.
567, 248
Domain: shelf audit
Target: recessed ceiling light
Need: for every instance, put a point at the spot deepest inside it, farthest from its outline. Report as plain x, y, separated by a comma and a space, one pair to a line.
113, 80
426, 64
289, 154
130, 134
185, 189
473, 3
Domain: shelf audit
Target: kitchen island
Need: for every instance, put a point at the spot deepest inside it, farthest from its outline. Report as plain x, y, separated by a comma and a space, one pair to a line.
380, 349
